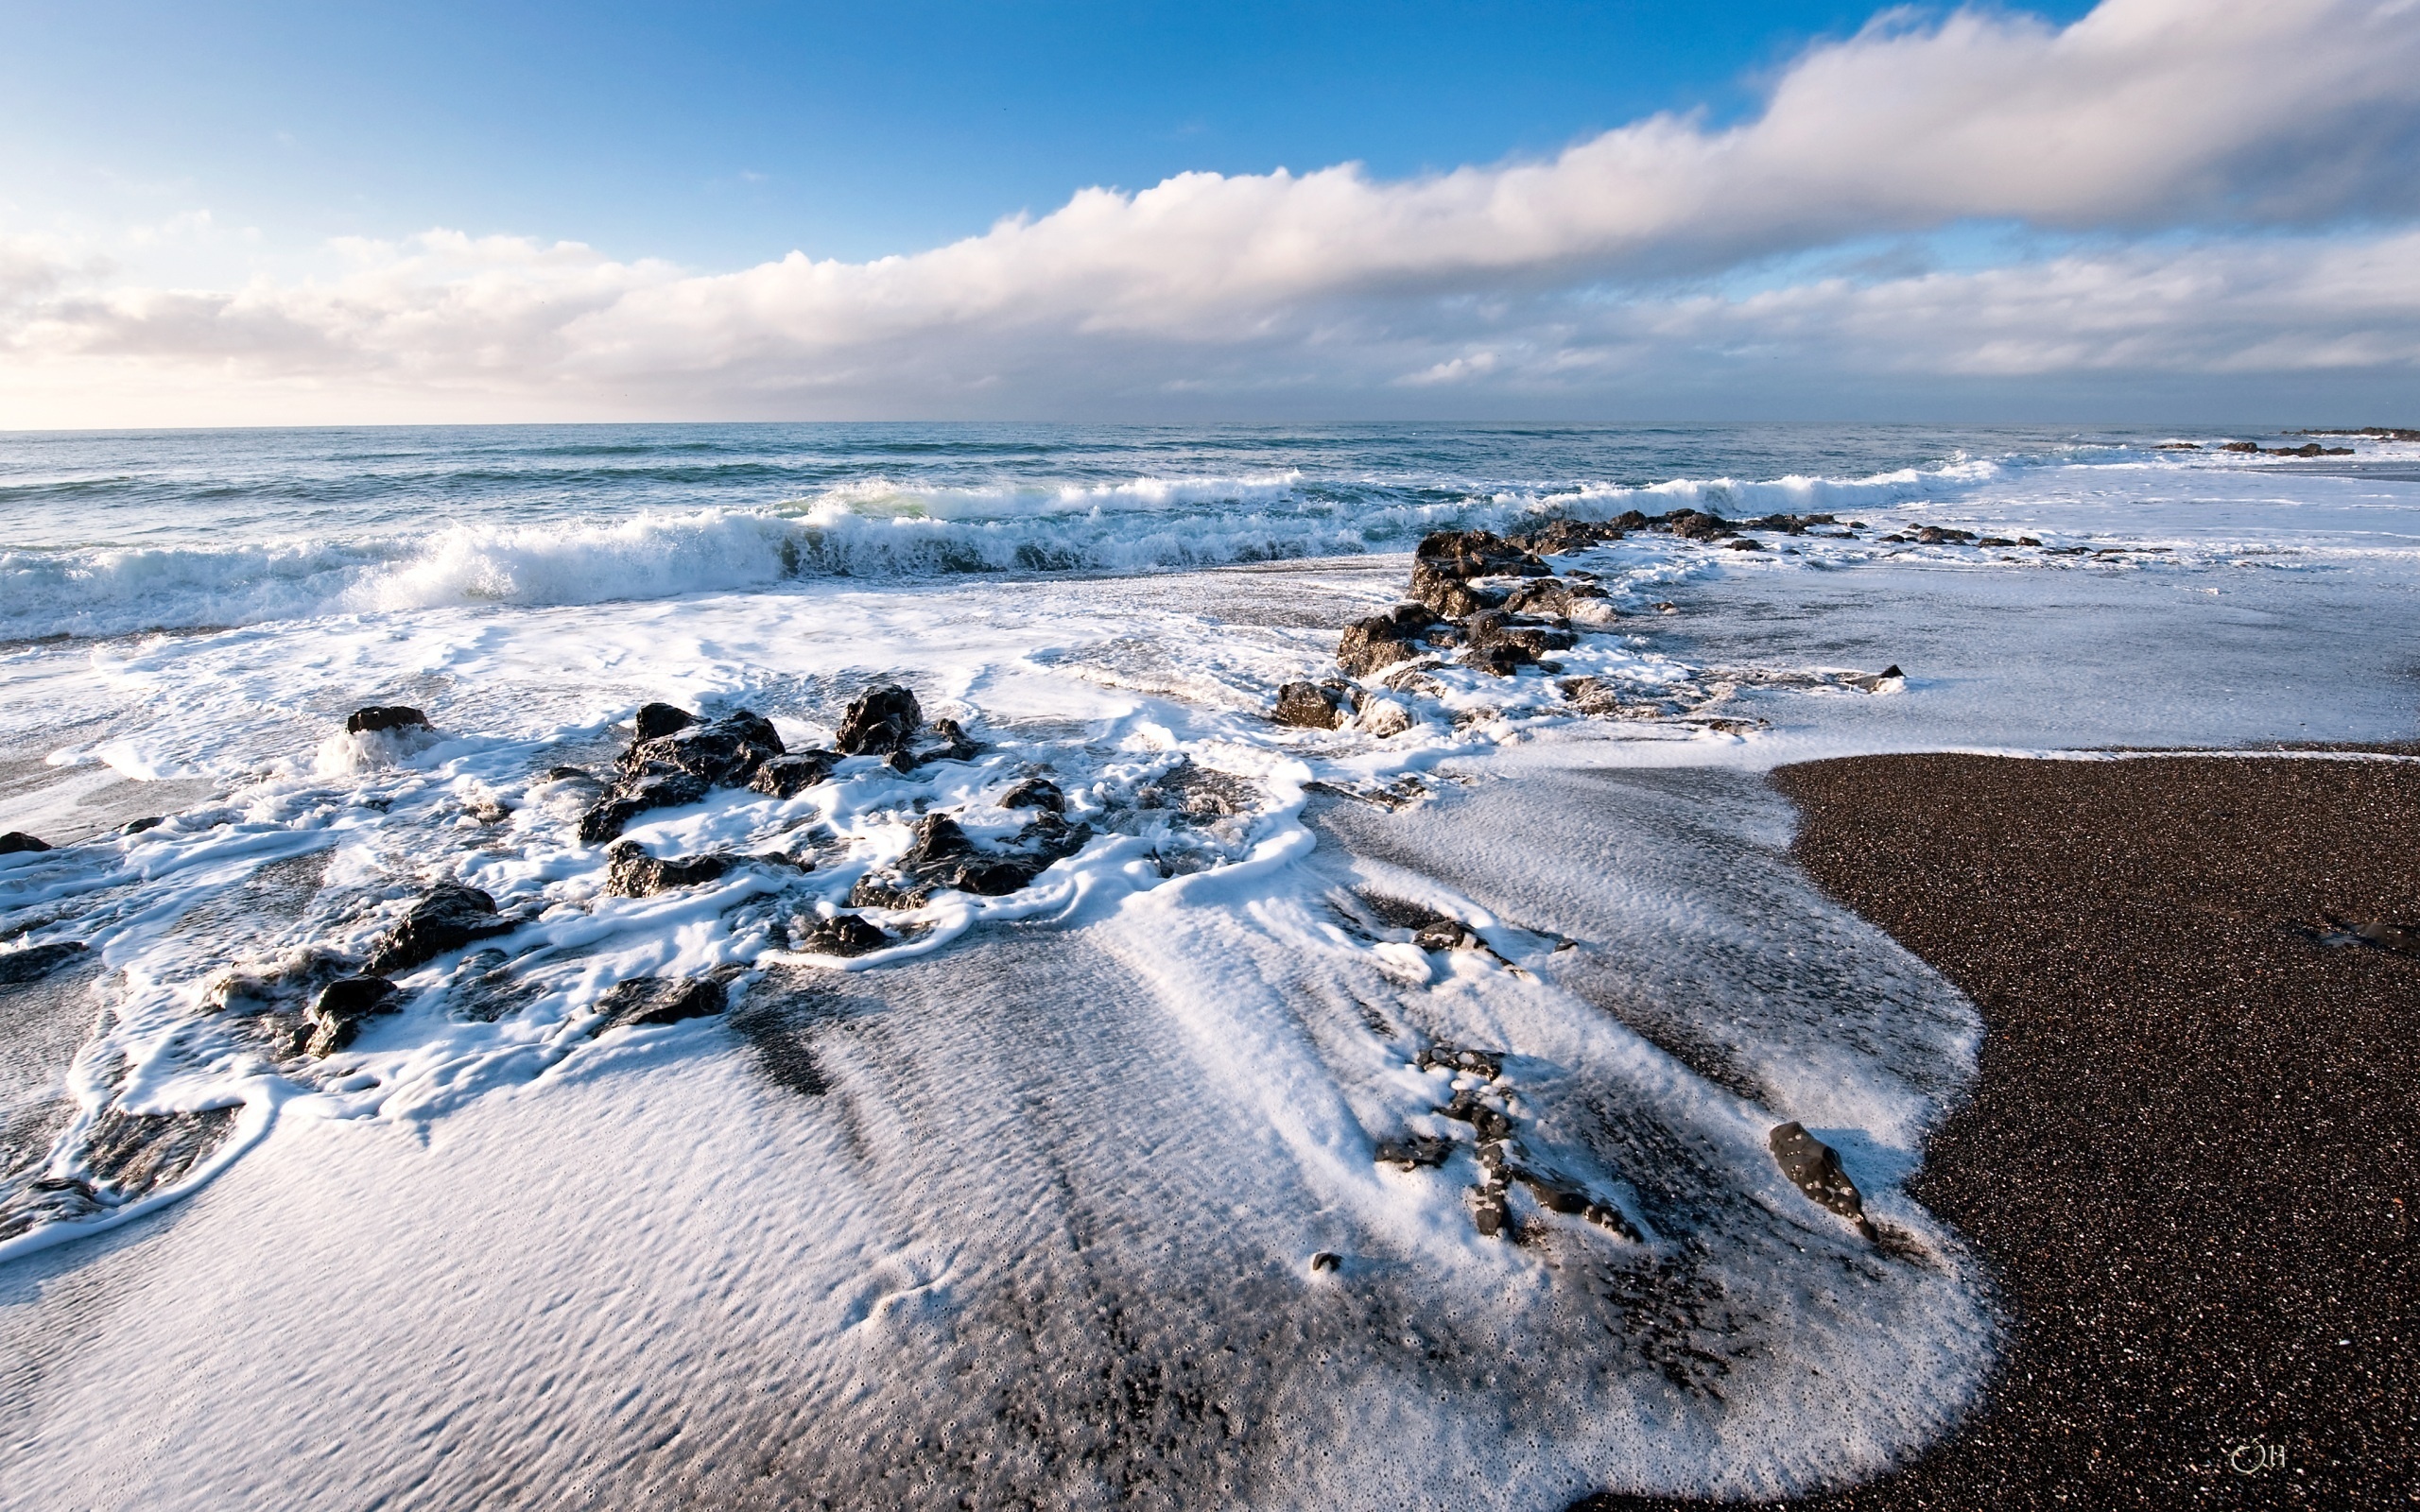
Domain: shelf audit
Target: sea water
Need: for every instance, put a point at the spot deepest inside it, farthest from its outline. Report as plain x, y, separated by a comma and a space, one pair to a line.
1069, 1195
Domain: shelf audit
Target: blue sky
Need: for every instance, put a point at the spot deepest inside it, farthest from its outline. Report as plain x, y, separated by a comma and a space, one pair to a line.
279, 213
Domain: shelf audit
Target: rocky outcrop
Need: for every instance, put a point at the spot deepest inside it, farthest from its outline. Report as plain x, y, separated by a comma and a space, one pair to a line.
18, 842
1311, 705
881, 720
630, 872
338, 1013
650, 1000
449, 916
1466, 554
381, 718
1814, 1167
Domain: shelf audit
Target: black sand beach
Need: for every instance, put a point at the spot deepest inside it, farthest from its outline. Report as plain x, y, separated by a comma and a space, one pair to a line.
2187, 1158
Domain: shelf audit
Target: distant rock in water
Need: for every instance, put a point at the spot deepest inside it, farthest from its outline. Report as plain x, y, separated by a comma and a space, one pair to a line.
630, 872
337, 1014
17, 841
380, 717
648, 999
37, 961
881, 720
448, 918
1814, 1167
1309, 706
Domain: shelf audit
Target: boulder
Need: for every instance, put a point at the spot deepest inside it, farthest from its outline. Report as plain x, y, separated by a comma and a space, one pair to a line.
648, 999
35, 962
1814, 1167
1743, 543
1383, 639
654, 719
1035, 793
1446, 594
1696, 524
635, 794
18, 841
1551, 596
790, 776
943, 859
630, 872
1309, 706
1476, 554
1461, 1060
449, 916
1382, 717
951, 743
1944, 535
337, 1014
1558, 537
382, 718
723, 752
881, 720
844, 935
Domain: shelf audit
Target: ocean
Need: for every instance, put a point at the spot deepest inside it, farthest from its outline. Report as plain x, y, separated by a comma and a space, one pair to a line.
1146, 1169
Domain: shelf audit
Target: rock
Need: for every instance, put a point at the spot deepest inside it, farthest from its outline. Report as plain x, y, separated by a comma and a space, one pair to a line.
844, 935
1996, 541
2178, 446
1558, 537
138, 825
1695, 524
1445, 934
1035, 793
636, 795
1944, 535
1309, 706
1814, 1167
384, 716
882, 719
450, 915
1326, 1260
657, 719
1383, 639
1475, 553
943, 859
955, 745
1447, 596
2027, 540
1499, 661
1490, 1215
1383, 718
1551, 596
2241, 446
337, 1014
1413, 1151
1461, 1060
790, 776
650, 1000
1743, 543
35, 962
630, 872
1467, 1108
723, 752
17, 842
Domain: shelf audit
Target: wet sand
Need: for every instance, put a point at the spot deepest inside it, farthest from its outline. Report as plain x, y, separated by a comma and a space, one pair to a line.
2187, 1158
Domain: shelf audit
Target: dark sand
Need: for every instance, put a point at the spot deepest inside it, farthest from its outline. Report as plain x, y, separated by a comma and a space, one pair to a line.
2188, 1157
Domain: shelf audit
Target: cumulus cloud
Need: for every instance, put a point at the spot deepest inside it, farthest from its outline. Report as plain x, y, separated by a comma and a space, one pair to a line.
2255, 125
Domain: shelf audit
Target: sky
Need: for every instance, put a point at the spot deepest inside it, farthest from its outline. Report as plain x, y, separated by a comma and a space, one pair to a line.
2140, 211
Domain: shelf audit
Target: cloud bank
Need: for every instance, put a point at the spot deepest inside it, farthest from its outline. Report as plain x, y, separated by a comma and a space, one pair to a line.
2179, 186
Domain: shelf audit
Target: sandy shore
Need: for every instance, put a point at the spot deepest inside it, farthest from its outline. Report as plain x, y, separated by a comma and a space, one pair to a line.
2188, 1156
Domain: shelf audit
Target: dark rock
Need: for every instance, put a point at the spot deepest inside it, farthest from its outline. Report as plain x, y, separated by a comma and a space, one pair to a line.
1944, 535
882, 719
1501, 627
1490, 1215
1558, 537
385, 717
1628, 519
1461, 1060
37, 961
1309, 706
649, 1000
448, 918
1447, 596
1468, 1108
657, 719
1499, 661
1996, 541
844, 935
2241, 446
1695, 524
2027, 540
631, 872
1446, 935
1413, 1151
337, 1014
17, 841
1743, 543
1550, 596
723, 752
790, 776
2178, 446
138, 825
1035, 793
953, 744
636, 795
943, 859
1326, 1260
1476, 554
1814, 1167
1383, 639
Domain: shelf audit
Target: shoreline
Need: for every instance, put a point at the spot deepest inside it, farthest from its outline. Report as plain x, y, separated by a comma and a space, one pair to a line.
2186, 1157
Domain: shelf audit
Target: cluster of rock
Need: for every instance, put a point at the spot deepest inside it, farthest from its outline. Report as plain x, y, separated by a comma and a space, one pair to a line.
2255, 449
943, 859
1480, 1100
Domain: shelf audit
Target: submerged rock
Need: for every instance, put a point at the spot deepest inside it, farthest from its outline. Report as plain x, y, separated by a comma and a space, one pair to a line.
17, 841
37, 961
630, 872
649, 1000
337, 1014
881, 720
449, 916
1814, 1167
1310, 706
384, 717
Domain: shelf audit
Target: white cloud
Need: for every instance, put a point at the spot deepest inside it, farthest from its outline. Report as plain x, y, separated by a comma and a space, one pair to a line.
2224, 115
